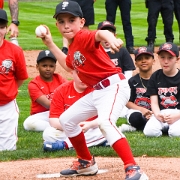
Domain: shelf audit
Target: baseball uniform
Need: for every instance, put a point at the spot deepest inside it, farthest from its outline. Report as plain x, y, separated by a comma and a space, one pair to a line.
167, 90
39, 118
12, 69
95, 69
140, 98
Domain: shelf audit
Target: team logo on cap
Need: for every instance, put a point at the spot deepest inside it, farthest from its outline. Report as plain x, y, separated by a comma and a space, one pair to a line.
47, 52
142, 49
167, 46
106, 23
64, 4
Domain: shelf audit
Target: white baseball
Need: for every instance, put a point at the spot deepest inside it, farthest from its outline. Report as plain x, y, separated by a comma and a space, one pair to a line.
39, 30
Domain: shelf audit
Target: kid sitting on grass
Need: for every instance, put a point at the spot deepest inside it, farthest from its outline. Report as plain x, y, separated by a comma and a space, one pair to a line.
164, 90
139, 105
41, 91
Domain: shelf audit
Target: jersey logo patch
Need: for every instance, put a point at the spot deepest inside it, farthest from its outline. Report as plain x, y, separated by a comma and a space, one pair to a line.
6, 66
167, 96
71, 97
78, 59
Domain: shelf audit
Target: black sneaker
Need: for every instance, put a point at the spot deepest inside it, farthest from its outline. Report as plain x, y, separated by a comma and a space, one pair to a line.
131, 50
81, 168
151, 45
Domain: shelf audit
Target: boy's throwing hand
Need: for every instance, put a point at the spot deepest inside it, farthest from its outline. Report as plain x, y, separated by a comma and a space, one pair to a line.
116, 45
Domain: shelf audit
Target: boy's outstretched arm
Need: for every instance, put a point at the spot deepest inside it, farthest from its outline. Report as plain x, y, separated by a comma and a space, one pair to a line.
60, 56
105, 35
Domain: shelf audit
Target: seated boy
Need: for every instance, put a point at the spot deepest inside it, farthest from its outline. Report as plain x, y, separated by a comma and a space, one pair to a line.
41, 91
163, 88
139, 105
64, 96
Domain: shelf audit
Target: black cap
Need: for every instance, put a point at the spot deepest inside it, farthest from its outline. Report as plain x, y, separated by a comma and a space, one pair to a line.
70, 7
170, 48
106, 24
143, 50
46, 54
3, 15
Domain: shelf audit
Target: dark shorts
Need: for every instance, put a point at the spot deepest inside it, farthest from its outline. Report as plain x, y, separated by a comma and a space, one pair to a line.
88, 10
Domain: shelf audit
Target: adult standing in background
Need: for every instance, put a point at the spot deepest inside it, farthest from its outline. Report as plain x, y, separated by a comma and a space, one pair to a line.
125, 9
177, 13
14, 10
166, 8
87, 7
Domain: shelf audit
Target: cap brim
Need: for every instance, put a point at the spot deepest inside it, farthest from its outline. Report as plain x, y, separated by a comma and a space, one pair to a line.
169, 51
4, 19
38, 60
144, 53
66, 12
107, 26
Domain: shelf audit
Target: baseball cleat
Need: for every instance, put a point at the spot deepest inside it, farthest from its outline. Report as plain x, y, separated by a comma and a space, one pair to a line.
81, 168
133, 172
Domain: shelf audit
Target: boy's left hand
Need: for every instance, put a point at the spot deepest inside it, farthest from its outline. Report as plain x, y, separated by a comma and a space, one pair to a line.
116, 45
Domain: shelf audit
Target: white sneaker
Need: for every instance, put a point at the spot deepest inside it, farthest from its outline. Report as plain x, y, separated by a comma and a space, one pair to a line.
126, 128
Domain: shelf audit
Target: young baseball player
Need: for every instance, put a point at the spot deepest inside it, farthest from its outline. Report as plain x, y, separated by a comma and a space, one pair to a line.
12, 75
95, 69
139, 105
64, 96
41, 91
163, 88
121, 58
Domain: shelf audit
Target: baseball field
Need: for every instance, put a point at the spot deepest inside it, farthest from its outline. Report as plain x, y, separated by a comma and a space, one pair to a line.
159, 157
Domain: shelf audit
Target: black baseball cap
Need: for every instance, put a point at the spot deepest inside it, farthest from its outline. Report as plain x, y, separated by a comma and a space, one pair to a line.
143, 50
70, 7
46, 54
170, 48
106, 24
3, 15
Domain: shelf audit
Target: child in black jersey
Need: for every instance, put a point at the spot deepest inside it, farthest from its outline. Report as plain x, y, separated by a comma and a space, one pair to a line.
139, 107
164, 91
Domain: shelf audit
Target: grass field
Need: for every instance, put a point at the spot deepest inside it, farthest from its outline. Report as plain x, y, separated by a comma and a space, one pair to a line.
33, 13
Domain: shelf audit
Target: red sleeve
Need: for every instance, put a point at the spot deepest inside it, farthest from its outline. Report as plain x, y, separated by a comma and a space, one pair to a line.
1, 4
57, 103
34, 91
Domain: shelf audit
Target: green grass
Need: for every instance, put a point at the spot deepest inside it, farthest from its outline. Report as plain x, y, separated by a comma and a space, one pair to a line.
34, 13
29, 144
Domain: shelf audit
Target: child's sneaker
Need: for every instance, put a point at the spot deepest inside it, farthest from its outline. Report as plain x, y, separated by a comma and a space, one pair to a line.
81, 168
127, 128
58, 145
133, 172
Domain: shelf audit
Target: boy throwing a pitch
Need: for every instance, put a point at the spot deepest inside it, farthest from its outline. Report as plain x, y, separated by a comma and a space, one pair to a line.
87, 57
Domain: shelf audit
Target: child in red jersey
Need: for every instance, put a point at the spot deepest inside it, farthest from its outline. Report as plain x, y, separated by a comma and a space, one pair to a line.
41, 91
12, 75
95, 69
64, 96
